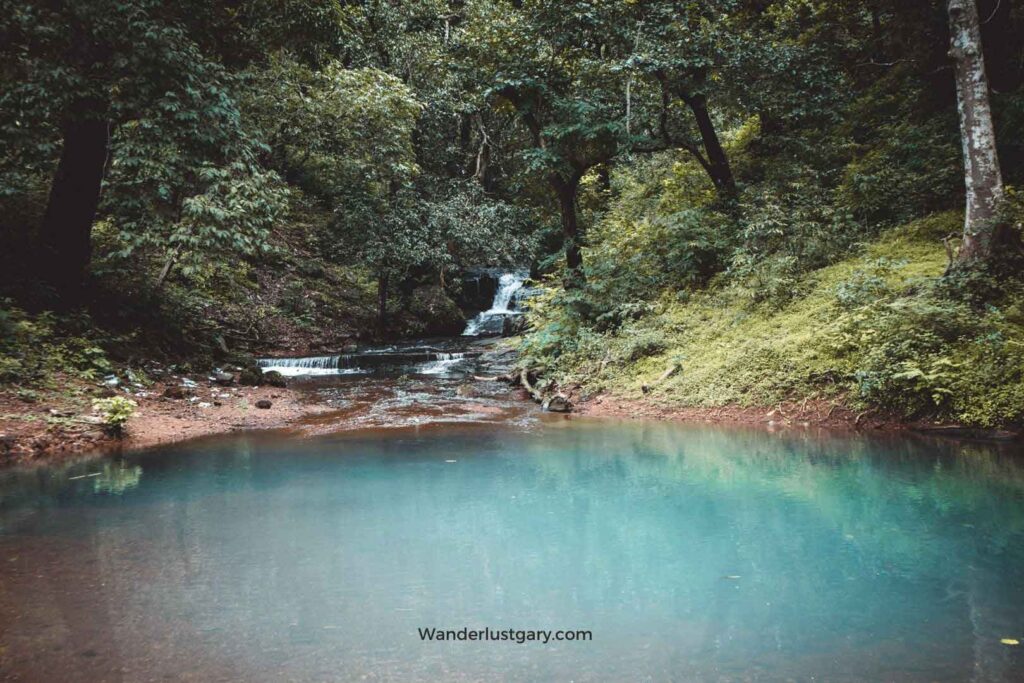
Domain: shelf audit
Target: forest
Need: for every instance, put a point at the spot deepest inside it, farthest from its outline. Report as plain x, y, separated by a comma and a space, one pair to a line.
720, 202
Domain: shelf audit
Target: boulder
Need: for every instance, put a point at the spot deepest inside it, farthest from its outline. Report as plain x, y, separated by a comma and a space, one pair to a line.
263, 404
477, 289
250, 376
274, 378
512, 325
557, 404
224, 379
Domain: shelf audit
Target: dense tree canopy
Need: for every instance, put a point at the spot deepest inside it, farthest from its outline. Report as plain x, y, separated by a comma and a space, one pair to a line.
157, 148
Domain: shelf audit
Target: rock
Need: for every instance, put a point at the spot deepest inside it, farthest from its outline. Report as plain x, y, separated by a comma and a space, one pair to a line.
478, 288
263, 403
467, 391
177, 391
250, 377
274, 379
557, 404
513, 325
224, 379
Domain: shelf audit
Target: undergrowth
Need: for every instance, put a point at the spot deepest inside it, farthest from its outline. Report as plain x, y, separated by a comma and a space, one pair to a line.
882, 328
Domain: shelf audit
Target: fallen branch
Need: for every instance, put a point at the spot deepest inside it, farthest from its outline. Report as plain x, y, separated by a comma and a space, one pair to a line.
557, 403
524, 380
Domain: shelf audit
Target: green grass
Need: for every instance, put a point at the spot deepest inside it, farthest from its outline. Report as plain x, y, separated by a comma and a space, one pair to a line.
868, 330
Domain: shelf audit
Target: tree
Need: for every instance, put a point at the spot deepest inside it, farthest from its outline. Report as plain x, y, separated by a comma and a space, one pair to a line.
541, 60
680, 45
345, 136
80, 74
982, 174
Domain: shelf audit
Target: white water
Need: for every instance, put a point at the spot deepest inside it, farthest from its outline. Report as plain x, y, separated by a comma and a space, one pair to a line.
330, 365
440, 366
312, 365
490, 320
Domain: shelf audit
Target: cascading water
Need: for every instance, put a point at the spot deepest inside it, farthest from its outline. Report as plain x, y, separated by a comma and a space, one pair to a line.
385, 361
444, 362
312, 365
503, 306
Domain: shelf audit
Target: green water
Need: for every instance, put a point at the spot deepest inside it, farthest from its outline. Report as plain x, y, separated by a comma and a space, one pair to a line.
689, 553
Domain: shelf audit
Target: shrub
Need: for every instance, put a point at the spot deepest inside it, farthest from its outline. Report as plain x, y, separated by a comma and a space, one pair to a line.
34, 346
114, 412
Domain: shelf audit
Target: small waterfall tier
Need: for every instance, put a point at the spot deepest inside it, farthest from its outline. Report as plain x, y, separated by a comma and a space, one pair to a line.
505, 304
422, 360
312, 365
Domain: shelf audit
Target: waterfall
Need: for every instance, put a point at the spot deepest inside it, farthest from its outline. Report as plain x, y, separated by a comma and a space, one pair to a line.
491, 320
440, 366
311, 365
421, 360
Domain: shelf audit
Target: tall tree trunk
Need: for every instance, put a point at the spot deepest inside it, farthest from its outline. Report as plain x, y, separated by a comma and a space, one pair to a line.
981, 164
383, 281
66, 231
718, 167
566, 191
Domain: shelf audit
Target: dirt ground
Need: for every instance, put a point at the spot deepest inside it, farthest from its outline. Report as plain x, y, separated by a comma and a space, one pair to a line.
56, 423
61, 423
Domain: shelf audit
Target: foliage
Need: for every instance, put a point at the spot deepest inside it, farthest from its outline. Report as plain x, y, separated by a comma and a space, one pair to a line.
34, 347
878, 328
114, 412
756, 190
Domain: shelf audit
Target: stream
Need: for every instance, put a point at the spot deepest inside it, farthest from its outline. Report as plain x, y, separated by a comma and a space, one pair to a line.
430, 500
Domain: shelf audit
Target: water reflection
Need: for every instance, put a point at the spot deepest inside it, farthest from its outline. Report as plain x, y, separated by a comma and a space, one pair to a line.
692, 553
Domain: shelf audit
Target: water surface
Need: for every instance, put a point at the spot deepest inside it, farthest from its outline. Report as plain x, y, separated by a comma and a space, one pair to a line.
691, 553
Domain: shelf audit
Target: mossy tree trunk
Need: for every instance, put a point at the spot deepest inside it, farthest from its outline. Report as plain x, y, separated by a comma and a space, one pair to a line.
982, 176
